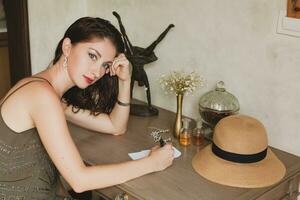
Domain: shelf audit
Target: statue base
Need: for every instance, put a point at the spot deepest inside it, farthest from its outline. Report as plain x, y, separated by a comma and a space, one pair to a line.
143, 110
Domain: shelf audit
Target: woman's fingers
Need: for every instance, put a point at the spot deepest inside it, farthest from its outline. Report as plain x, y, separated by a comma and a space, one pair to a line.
120, 67
155, 147
162, 157
117, 63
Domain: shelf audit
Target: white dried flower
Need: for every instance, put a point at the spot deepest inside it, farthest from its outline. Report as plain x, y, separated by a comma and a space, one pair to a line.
179, 82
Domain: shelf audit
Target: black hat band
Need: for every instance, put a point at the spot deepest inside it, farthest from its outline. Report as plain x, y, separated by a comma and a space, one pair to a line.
238, 158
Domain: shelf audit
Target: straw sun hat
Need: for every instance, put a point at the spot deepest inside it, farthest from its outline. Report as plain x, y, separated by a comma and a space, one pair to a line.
239, 155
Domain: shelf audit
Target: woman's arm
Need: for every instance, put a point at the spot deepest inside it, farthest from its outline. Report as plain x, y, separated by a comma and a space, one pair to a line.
114, 123
48, 116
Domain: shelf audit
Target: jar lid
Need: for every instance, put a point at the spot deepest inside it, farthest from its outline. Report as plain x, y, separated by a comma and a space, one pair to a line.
219, 100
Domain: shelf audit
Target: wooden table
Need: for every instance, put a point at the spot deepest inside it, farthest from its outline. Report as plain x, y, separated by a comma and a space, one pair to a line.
180, 181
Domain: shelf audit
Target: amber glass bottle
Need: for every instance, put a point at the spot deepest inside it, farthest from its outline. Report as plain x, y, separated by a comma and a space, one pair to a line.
185, 136
198, 134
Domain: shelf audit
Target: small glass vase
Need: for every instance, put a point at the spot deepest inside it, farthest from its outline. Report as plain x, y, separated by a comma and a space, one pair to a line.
178, 119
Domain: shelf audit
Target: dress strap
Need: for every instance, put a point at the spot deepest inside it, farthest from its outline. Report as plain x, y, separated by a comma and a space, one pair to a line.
41, 78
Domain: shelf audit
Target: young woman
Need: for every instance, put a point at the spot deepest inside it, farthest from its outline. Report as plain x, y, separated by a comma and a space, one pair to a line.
88, 83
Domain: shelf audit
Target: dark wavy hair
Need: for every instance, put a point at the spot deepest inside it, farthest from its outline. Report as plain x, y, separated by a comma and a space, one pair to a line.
101, 96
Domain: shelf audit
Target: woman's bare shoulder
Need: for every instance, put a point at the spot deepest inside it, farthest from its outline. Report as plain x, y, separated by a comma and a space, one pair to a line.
30, 94
39, 95
39, 90
22, 99
30, 88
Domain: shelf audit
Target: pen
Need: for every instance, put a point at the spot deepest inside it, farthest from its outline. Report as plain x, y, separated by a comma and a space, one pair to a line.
162, 142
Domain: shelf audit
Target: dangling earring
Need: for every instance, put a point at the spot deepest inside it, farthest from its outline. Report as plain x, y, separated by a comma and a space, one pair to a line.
65, 64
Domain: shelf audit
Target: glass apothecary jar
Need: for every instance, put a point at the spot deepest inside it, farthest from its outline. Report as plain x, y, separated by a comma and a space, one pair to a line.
217, 104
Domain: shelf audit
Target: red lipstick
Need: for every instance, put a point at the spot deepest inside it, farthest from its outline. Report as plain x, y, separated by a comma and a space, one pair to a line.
88, 80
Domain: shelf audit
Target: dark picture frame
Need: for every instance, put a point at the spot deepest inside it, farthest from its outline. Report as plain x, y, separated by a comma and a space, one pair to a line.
3, 29
16, 12
2, 18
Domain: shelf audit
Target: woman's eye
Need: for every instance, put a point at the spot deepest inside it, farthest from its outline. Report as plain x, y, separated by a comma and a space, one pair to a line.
93, 56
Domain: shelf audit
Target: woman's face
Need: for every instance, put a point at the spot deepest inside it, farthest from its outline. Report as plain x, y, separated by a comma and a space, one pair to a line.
89, 61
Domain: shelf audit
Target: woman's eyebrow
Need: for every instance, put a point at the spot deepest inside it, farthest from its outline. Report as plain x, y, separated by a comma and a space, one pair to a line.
96, 51
109, 62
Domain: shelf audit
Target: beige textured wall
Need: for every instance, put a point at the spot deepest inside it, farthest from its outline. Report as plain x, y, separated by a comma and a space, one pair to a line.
48, 21
4, 71
234, 41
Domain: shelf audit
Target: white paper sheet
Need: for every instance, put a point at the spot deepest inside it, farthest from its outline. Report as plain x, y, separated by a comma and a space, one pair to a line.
144, 153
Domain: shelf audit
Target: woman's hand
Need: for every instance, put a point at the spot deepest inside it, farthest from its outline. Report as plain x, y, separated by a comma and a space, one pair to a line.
120, 68
161, 157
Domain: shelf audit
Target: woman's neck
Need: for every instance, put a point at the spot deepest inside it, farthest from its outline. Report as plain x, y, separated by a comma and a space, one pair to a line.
59, 78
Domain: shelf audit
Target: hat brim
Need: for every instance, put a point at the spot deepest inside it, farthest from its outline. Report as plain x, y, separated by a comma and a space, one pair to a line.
264, 173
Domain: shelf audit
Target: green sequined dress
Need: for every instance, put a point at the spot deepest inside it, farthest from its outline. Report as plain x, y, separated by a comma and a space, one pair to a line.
26, 170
